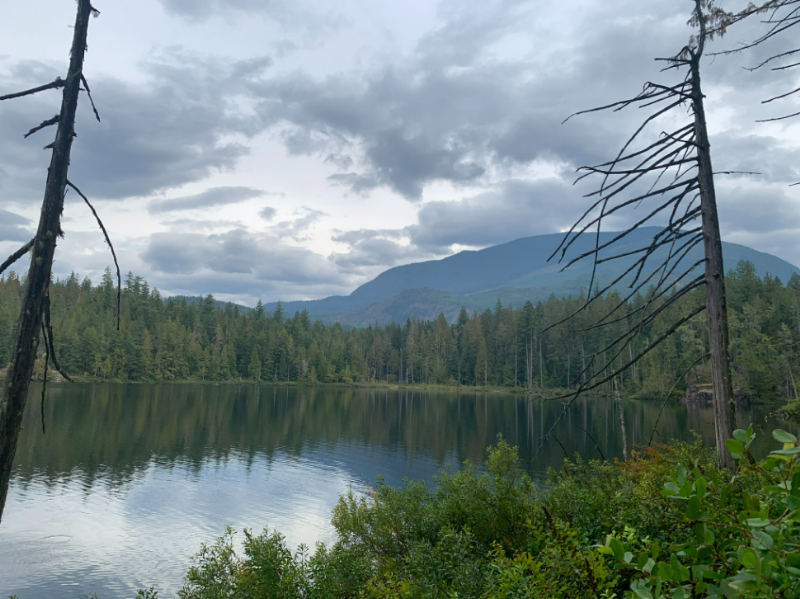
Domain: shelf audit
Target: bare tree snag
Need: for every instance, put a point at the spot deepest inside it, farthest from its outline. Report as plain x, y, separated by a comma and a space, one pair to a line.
671, 177
29, 327
716, 303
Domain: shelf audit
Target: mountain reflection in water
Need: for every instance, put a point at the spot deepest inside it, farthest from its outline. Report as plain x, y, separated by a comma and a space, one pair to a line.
130, 479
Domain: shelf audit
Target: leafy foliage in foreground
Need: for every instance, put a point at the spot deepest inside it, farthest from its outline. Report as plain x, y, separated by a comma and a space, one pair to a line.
667, 524
176, 340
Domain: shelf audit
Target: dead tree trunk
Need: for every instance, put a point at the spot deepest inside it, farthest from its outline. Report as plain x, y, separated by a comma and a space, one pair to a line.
26, 338
716, 304
677, 167
621, 422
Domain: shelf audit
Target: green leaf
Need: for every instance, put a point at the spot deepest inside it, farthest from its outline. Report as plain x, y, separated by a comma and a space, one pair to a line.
735, 447
681, 471
686, 489
628, 557
676, 568
749, 558
700, 587
757, 522
664, 571
762, 539
781, 436
700, 532
642, 592
648, 567
740, 435
617, 548
693, 508
701, 485
655, 549
789, 451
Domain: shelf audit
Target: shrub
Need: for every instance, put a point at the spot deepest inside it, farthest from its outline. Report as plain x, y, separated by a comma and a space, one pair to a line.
667, 524
745, 532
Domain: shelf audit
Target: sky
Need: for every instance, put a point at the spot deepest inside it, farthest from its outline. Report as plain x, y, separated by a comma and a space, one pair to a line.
256, 149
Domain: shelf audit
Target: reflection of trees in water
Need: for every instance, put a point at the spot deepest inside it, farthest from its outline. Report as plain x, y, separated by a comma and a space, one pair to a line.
113, 431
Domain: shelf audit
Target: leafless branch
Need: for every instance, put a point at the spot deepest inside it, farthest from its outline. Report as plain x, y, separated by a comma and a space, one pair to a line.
58, 83
583, 388
44, 377
91, 100
600, 451
779, 118
49, 337
17, 255
110, 245
794, 91
42, 125
671, 391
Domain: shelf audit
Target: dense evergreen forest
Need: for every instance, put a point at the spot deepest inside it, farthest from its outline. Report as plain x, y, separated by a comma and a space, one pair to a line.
174, 339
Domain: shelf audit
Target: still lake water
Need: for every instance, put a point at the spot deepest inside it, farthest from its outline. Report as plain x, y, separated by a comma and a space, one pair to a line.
129, 480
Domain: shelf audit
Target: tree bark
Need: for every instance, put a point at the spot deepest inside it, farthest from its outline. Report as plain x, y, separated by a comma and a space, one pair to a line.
716, 303
622, 422
26, 338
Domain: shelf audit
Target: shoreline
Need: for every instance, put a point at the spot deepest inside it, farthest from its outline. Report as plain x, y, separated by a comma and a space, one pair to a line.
787, 409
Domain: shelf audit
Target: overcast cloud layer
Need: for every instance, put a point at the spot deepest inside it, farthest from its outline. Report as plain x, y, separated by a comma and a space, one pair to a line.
270, 150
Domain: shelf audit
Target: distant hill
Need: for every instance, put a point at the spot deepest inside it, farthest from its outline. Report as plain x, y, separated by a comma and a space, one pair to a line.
512, 272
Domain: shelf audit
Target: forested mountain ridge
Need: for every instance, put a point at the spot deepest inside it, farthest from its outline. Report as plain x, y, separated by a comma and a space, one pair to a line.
513, 272
503, 346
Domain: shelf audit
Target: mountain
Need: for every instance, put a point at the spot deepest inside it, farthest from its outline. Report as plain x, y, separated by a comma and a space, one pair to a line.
512, 272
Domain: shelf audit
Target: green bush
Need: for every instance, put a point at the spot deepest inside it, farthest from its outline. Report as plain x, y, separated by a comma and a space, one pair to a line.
666, 524
745, 532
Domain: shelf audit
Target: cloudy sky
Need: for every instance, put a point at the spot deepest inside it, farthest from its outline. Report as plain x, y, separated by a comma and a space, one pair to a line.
291, 150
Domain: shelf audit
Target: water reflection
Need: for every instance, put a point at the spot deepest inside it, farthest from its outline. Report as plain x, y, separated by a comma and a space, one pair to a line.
130, 479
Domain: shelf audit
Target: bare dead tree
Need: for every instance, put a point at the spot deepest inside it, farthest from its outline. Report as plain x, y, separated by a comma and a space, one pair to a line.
671, 176
34, 317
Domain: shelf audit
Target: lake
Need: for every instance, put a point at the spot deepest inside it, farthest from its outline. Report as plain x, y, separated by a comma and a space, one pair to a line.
129, 480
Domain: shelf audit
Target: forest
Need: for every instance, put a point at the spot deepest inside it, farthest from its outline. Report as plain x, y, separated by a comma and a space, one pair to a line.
170, 339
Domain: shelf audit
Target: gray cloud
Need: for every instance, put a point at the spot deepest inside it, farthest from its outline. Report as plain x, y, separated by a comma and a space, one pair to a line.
772, 158
238, 262
154, 136
303, 22
14, 227
452, 112
216, 196
202, 9
765, 209
479, 102
518, 209
372, 251
295, 228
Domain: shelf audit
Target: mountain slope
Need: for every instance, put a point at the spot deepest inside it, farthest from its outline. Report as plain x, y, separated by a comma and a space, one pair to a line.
513, 271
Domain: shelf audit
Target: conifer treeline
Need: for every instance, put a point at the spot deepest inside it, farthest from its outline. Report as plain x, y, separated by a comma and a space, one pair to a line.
179, 340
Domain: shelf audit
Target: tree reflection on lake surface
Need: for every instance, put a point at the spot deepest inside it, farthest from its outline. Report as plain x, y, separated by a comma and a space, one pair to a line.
130, 479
